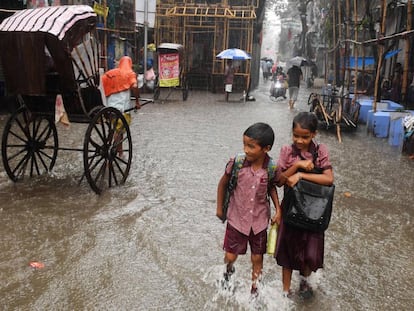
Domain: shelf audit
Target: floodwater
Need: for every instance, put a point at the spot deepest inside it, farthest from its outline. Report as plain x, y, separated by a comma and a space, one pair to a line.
155, 243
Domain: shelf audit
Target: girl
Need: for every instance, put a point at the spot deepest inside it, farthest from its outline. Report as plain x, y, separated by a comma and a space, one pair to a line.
299, 249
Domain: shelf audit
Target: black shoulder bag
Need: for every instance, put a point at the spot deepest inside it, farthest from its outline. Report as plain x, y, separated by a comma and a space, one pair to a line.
309, 205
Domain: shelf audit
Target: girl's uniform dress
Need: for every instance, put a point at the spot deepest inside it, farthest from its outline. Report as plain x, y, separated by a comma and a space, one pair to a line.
297, 248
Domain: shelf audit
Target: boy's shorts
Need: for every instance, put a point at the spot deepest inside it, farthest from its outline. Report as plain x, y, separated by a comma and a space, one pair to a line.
235, 242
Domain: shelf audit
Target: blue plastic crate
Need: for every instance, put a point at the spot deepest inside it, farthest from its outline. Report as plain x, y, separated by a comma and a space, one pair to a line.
366, 105
393, 105
396, 134
381, 123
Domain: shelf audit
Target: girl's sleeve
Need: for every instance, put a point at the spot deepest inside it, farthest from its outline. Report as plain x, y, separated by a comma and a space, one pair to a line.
323, 157
282, 163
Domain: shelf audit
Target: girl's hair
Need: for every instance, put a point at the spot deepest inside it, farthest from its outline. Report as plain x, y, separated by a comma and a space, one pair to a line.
306, 120
262, 133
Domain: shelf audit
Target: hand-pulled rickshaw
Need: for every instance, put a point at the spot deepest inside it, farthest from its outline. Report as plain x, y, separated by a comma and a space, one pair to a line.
52, 52
171, 69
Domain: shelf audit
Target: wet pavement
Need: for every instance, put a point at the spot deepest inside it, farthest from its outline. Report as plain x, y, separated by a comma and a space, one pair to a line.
155, 242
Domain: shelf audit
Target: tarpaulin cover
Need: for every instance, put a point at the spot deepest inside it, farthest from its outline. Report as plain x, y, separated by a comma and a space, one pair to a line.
34, 42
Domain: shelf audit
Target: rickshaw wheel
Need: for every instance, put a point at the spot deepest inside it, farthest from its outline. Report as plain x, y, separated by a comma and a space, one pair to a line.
185, 91
107, 136
274, 99
29, 143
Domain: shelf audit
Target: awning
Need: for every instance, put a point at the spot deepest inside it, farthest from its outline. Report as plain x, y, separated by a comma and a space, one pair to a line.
392, 53
369, 60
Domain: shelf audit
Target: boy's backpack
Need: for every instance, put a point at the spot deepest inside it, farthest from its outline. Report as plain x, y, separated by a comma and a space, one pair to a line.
238, 164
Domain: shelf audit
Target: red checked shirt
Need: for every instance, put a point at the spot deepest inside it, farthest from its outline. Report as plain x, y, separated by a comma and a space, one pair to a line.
249, 208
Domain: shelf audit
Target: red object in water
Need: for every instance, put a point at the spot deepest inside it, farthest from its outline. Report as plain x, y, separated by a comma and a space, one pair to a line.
36, 265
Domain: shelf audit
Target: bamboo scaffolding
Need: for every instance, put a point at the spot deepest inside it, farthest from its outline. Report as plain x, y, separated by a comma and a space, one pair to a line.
180, 21
407, 54
380, 53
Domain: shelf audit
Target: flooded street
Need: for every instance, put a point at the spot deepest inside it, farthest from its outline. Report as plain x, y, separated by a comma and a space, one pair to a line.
155, 243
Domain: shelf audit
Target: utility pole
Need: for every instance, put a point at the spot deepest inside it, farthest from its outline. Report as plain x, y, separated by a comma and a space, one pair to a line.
105, 50
407, 56
145, 38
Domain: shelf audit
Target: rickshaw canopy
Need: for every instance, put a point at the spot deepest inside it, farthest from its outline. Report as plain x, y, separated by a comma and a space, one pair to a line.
169, 48
34, 42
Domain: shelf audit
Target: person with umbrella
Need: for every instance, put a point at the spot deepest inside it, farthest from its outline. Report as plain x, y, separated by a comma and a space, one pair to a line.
294, 76
228, 78
230, 55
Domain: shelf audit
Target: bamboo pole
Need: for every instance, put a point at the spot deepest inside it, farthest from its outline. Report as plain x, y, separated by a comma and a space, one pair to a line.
334, 43
340, 38
407, 56
348, 35
356, 50
105, 47
380, 53
363, 58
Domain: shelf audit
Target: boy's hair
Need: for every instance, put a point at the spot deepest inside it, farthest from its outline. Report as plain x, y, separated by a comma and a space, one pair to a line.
306, 120
262, 133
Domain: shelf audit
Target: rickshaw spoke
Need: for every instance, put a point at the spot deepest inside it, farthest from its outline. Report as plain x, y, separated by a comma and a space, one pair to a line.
103, 133
92, 168
24, 129
39, 154
18, 137
31, 166
101, 172
124, 139
99, 132
15, 155
94, 144
35, 128
92, 157
117, 142
34, 161
119, 167
21, 166
120, 159
40, 136
112, 172
112, 129
109, 175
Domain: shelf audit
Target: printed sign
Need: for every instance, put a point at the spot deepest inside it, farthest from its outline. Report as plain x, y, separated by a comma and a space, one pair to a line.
100, 9
169, 69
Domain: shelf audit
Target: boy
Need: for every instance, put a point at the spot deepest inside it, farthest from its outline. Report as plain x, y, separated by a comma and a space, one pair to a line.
249, 210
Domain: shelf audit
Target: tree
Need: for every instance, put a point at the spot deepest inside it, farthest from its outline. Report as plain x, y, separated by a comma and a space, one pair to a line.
293, 8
